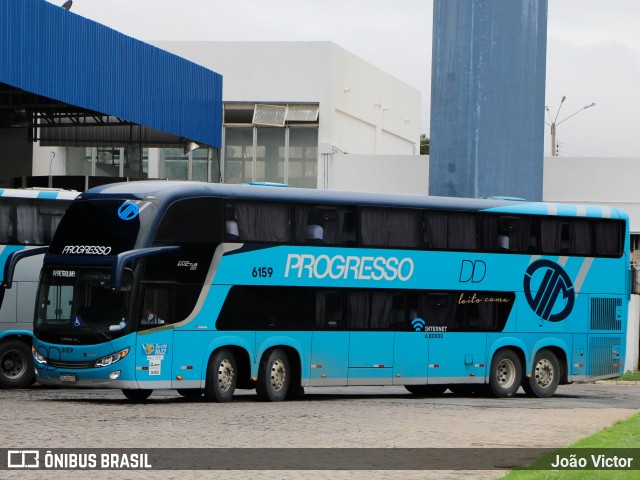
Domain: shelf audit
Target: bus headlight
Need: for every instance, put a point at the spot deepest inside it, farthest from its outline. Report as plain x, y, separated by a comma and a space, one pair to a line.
111, 359
38, 357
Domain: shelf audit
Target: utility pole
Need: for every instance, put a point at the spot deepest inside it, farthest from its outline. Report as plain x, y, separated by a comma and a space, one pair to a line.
554, 123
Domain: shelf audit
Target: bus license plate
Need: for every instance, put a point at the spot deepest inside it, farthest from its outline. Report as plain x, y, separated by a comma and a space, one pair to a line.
68, 377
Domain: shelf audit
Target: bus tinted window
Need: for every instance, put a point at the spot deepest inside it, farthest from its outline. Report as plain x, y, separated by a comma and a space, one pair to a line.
156, 306
291, 308
563, 236
375, 310
257, 222
507, 233
326, 225
267, 308
390, 227
329, 307
96, 223
194, 220
464, 311
27, 221
609, 235
452, 230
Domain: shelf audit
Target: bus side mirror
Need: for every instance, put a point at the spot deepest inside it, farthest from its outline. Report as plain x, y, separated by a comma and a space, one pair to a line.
12, 261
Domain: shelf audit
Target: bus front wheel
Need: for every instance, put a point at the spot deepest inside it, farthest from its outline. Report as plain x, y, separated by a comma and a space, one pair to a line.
544, 377
506, 373
16, 365
137, 395
274, 376
221, 376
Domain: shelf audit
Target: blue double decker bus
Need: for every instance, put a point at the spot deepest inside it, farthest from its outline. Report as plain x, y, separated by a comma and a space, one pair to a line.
208, 288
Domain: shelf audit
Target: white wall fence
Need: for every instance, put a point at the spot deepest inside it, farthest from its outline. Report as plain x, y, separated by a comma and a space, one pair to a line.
633, 335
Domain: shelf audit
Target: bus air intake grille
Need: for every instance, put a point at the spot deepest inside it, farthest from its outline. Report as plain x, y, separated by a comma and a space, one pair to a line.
61, 364
604, 313
601, 359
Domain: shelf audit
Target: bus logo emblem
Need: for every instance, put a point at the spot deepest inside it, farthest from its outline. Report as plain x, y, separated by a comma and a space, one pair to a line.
128, 211
555, 296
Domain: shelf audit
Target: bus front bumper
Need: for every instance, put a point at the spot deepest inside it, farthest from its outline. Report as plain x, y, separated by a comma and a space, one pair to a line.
85, 378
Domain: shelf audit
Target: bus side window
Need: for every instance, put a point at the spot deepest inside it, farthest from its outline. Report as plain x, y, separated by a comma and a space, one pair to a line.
29, 224
387, 311
310, 227
259, 222
437, 309
7, 226
156, 307
390, 227
51, 215
609, 234
451, 230
231, 229
347, 235
325, 224
502, 233
561, 236
329, 308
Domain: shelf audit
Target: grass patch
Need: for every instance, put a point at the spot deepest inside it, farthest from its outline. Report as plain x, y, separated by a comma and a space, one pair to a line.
623, 434
630, 376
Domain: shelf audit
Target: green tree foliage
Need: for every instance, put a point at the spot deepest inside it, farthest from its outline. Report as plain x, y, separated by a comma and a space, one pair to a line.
424, 144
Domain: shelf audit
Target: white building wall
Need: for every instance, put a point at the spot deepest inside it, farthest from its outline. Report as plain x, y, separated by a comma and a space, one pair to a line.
362, 93
363, 110
633, 335
380, 173
603, 181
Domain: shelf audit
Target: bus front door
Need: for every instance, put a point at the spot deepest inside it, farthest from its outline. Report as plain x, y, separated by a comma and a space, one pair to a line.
154, 352
154, 349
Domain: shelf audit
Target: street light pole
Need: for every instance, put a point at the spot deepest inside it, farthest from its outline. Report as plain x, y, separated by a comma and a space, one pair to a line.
554, 123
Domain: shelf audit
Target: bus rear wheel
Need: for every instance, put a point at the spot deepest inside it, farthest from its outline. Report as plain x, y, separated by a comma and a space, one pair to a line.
545, 375
16, 365
137, 395
221, 376
426, 390
505, 374
274, 376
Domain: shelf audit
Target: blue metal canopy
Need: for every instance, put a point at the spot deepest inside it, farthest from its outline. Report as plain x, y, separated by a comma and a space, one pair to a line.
55, 54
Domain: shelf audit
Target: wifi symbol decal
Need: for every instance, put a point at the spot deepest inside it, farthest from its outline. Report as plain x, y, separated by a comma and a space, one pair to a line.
418, 324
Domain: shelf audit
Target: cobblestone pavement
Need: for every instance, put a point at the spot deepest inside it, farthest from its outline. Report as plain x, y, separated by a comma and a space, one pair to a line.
331, 417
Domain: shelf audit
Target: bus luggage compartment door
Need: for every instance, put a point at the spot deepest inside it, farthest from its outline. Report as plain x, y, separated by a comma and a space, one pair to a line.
370, 358
329, 358
410, 358
457, 357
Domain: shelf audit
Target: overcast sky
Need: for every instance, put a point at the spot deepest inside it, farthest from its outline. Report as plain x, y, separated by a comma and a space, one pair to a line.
593, 49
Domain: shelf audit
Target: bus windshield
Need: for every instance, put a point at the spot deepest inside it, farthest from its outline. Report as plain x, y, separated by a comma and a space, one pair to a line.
104, 227
79, 304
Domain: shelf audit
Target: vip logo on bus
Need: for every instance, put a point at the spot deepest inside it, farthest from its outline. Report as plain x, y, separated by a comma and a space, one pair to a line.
555, 295
128, 211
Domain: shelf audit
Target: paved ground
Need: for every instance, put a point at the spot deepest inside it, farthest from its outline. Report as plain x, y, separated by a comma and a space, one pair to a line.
337, 417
